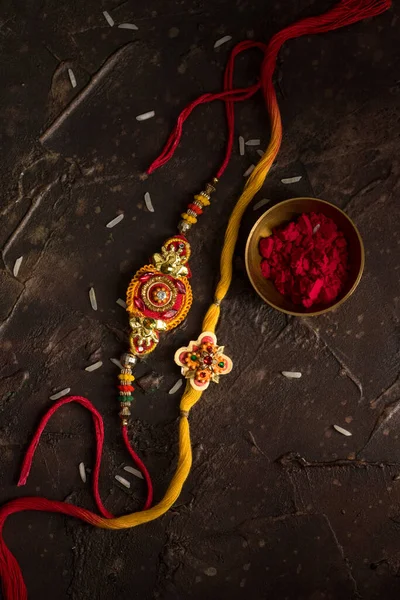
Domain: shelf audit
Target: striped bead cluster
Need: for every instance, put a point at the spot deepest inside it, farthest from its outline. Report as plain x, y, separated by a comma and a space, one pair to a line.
195, 208
125, 386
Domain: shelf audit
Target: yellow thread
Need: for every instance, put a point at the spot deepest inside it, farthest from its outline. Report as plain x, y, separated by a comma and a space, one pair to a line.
125, 376
191, 396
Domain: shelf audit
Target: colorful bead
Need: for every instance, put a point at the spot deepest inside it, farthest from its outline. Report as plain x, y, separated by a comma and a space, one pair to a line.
189, 218
203, 199
126, 388
195, 209
183, 227
126, 376
128, 360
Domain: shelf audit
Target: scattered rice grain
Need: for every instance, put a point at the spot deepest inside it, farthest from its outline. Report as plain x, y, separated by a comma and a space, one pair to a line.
121, 302
342, 431
72, 78
115, 221
145, 116
59, 395
241, 145
94, 366
92, 298
261, 203
108, 18
260, 153
318, 225
123, 481
82, 472
249, 170
291, 179
176, 387
128, 26
148, 202
116, 362
17, 266
134, 472
222, 40
291, 374
253, 142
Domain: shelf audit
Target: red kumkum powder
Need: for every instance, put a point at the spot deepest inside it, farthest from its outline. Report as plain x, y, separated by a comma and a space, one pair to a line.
307, 260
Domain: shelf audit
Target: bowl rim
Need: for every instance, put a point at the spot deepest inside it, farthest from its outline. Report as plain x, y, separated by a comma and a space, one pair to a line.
324, 310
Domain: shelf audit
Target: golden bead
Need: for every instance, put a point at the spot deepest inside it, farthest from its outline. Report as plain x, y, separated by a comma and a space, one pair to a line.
126, 376
189, 218
124, 422
204, 201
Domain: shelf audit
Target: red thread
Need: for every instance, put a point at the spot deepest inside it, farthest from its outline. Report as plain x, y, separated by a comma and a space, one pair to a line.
99, 435
140, 465
346, 12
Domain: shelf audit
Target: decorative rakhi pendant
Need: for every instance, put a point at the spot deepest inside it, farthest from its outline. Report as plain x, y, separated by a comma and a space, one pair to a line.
159, 296
203, 361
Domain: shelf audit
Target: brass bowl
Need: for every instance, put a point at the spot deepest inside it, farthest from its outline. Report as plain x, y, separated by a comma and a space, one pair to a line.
287, 211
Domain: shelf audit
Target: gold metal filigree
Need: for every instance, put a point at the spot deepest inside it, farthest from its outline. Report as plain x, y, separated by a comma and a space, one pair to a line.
145, 330
170, 262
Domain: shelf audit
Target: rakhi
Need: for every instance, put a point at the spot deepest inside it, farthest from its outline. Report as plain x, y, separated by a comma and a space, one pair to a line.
159, 297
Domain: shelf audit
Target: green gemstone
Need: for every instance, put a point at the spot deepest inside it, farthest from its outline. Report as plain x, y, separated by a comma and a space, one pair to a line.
193, 357
125, 398
221, 364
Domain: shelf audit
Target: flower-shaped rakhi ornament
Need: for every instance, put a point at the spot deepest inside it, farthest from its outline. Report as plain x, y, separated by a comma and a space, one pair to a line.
203, 361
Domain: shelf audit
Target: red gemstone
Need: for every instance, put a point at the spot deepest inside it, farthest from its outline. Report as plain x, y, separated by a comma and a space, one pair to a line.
145, 277
169, 314
209, 348
208, 360
139, 304
180, 286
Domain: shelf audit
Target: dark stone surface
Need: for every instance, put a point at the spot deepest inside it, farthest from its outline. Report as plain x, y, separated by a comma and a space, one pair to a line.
278, 504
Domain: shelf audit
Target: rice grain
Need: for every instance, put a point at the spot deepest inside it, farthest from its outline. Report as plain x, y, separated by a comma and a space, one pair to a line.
241, 145
17, 266
342, 431
82, 472
72, 78
145, 116
134, 472
94, 366
123, 481
108, 18
222, 40
59, 395
92, 298
289, 180
261, 203
115, 221
128, 26
116, 362
291, 374
121, 302
148, 202
253, 142
249, 171
176, 387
